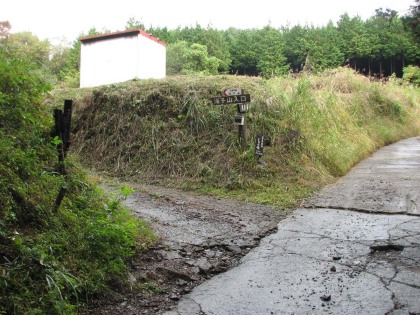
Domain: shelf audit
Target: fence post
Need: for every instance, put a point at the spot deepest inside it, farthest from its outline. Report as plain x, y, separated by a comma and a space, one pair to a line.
62, 131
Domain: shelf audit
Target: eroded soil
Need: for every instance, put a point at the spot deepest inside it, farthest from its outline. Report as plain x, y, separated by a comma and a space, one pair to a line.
200, 236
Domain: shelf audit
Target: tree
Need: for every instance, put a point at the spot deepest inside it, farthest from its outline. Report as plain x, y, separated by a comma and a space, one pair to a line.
134, 23
296, 46
356, 43
380, 25
21, 88
59, 58
185, 58
271, 58
163, 34
29, 46
412, 75
217, 47
192, 34
244, 51
216, 44
4, 29
175, 57
400, 46
324, 48
412, 20
394, 43
412, 25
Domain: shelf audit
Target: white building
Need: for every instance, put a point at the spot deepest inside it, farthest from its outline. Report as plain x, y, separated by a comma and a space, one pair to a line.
121, 56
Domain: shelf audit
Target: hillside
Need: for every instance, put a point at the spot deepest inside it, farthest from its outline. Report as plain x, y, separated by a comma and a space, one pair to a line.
168, 131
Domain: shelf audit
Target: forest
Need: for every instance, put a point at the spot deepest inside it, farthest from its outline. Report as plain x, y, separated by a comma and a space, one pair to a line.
380, 46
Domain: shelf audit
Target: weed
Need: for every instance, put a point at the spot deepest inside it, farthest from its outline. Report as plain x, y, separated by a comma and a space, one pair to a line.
149, 288
52, 262
171, 133
156, 196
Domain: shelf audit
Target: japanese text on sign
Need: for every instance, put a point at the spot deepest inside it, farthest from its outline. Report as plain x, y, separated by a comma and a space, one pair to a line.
233, 91
234, 99
259, 145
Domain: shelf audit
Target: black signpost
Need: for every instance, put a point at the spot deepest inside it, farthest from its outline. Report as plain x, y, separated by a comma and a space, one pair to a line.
234, 99
242, 136
259, 145
62, 131
238, 97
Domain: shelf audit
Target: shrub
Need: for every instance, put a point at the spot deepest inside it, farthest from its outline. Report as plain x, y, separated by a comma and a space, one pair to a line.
51, 261
412, 75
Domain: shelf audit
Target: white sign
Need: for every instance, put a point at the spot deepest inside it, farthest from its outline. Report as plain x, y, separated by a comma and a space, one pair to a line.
233, 91
239, 120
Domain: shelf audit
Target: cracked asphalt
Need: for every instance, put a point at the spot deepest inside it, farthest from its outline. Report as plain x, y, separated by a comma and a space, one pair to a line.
354, 248
199, 237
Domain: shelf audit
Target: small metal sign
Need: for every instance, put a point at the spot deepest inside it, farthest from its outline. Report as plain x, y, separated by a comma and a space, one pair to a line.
235, 99
259, 145
243, 108
233, 91
239, 120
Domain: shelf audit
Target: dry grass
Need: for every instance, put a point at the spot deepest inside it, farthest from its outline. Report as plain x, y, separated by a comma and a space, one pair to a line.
169, 132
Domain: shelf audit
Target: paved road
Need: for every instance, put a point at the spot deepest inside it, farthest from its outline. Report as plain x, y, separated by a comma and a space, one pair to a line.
352, 249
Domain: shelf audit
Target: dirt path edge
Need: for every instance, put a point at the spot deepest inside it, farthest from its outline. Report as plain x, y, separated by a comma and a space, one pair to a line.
200, 236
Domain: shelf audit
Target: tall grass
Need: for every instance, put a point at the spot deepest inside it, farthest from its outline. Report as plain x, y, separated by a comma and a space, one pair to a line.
168, 131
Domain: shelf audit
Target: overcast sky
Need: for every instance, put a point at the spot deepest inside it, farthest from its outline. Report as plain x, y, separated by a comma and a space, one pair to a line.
57, 20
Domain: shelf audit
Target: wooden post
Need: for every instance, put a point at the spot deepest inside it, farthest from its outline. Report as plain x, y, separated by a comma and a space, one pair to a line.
58, 118
68, 104
242, 136
60, 197
62, 131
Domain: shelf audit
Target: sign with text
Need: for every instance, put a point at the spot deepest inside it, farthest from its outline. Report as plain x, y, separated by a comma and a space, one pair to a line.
234, 99
259, 145
239, 120
233, 91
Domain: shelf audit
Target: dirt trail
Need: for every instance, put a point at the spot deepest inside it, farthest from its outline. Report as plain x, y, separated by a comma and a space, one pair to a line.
201, 236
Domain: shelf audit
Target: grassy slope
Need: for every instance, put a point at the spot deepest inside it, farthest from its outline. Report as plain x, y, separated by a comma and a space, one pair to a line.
168, 132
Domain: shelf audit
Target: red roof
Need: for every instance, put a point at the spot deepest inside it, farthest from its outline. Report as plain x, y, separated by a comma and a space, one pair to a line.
127, 33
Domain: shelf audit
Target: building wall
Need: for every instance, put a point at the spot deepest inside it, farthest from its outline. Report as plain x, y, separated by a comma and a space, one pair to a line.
148, 51
120, 59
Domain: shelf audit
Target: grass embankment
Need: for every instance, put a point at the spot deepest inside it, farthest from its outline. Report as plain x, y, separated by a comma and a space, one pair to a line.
52, 261
168, 131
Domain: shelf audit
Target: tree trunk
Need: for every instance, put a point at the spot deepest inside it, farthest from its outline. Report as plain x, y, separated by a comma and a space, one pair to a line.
392, 66
380, 67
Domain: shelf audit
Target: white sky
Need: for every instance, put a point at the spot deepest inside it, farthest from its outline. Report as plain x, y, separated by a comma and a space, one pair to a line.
58, 20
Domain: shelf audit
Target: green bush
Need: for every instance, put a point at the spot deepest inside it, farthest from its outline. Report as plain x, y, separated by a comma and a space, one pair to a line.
412, 75
51, 261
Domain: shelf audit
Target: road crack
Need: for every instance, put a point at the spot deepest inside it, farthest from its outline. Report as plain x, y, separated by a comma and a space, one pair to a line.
360, 210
